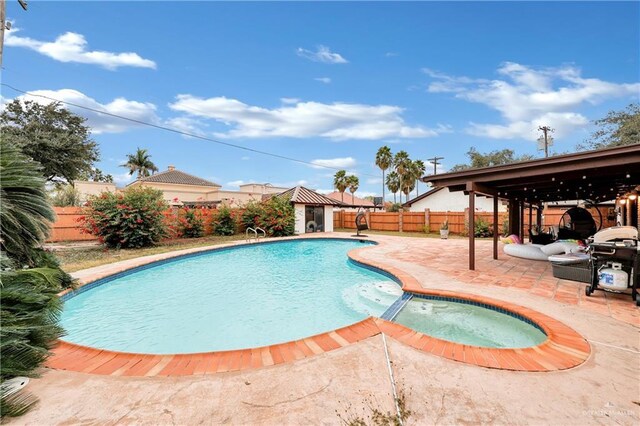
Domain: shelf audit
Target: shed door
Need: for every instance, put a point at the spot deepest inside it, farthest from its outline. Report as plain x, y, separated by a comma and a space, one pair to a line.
314, 218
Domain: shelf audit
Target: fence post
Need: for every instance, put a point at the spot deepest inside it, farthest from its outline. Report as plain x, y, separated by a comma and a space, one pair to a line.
400, 220
427, 218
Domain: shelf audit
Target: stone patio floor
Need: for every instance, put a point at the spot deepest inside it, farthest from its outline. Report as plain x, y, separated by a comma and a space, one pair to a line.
351, 380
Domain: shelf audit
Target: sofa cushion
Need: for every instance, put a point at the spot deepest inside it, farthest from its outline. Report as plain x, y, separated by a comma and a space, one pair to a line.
559, 247
526, 251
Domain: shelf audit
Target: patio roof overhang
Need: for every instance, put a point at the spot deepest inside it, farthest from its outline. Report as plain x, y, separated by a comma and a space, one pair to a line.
594, 175
597, 176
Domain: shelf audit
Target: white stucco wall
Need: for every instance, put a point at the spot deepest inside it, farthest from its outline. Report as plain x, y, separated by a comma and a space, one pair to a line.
300, 227
444, 200
299, 218
328, 218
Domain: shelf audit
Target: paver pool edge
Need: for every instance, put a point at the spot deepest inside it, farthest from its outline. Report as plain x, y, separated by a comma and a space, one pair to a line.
563, 349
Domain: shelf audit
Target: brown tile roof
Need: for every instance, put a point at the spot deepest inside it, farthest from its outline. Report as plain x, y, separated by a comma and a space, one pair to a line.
350, 200
177, 177
302, 195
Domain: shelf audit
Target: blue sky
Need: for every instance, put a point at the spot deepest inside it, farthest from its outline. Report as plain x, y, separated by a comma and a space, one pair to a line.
327, 83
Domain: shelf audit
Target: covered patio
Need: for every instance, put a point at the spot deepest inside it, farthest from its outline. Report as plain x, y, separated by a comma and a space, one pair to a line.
597, 176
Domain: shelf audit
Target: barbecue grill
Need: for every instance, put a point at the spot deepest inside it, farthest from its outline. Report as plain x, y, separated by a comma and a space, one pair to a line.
615, 254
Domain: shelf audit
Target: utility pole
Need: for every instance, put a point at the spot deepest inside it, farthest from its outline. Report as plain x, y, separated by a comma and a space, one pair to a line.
6, 25
435, 162
546, 139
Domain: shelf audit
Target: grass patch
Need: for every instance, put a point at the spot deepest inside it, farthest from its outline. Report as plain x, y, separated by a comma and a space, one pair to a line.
77, 258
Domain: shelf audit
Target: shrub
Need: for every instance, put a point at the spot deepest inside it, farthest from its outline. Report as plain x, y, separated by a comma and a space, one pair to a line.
223, 222
426, 229
279, 217
131, 219
66, 196
394, 208
482, 228
505, 227
190, 223
251, 216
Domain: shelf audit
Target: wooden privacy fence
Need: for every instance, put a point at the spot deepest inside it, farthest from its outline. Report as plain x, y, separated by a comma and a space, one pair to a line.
66, 227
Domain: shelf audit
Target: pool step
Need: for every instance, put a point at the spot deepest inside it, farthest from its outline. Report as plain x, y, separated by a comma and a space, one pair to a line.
371, 298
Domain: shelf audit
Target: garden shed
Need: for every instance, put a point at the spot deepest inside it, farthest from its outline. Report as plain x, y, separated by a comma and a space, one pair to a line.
314, 212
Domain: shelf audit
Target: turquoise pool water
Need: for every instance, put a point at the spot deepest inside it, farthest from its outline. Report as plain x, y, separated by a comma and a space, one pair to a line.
468, 324
232, 299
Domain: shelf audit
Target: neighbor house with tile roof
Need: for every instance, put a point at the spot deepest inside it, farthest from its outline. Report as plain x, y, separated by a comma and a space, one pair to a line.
180, 188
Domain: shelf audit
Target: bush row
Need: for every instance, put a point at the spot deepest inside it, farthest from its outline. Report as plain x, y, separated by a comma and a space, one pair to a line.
139, 217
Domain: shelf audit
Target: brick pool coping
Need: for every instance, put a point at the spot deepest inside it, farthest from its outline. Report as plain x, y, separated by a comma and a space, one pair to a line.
563, 349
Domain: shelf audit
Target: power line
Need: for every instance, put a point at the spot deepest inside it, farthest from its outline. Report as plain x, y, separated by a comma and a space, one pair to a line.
177, 131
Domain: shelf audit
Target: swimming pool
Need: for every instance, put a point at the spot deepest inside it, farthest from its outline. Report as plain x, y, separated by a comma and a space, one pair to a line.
234, 298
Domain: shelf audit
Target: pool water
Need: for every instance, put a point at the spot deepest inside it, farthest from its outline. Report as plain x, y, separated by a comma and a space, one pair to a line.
468, 324
236, 298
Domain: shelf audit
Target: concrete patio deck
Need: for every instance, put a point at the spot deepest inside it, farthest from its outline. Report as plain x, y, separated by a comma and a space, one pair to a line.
605, 389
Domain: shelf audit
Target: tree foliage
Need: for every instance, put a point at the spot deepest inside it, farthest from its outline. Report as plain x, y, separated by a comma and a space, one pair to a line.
353, 183
52, 136
131, 219
30, 277
141, 163
493, 158
384, 160
66, 196
95, 175
618, 128
340, 182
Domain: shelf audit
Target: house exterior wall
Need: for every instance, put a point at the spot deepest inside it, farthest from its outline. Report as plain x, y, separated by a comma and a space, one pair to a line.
300, 225
87, 189
260, 188
444, 200
328, 218
172, 191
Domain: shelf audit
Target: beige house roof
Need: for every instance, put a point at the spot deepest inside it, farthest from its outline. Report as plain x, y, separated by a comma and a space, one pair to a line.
350, 200
302, 195
176, 177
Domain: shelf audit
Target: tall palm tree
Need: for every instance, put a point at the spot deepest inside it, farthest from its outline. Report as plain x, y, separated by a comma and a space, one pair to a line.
353, 182
402, 163
407, 183
418, 168
393, 183
140, 162
384, 160
340, 182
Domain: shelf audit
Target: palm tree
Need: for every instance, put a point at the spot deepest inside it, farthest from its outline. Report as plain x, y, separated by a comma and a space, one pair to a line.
418, 168
408, 182
30, 277
384, 160
25, 215
140, 162
402, 163
340, 182
393, 183
353, 182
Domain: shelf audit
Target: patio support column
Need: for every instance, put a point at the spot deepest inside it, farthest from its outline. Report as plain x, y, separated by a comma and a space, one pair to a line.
530, 219
521, 229
495, 228
539, 216
472, 227
514, 218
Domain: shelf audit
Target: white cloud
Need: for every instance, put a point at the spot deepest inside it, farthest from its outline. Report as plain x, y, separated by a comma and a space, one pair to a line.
374, 181
528, 97
325, 80
325, 191
99, 123
336, 163
303, 119
391, 54
245, 158
123, 178
289, 101
187, 125
72, 47
322, 54
236, 183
